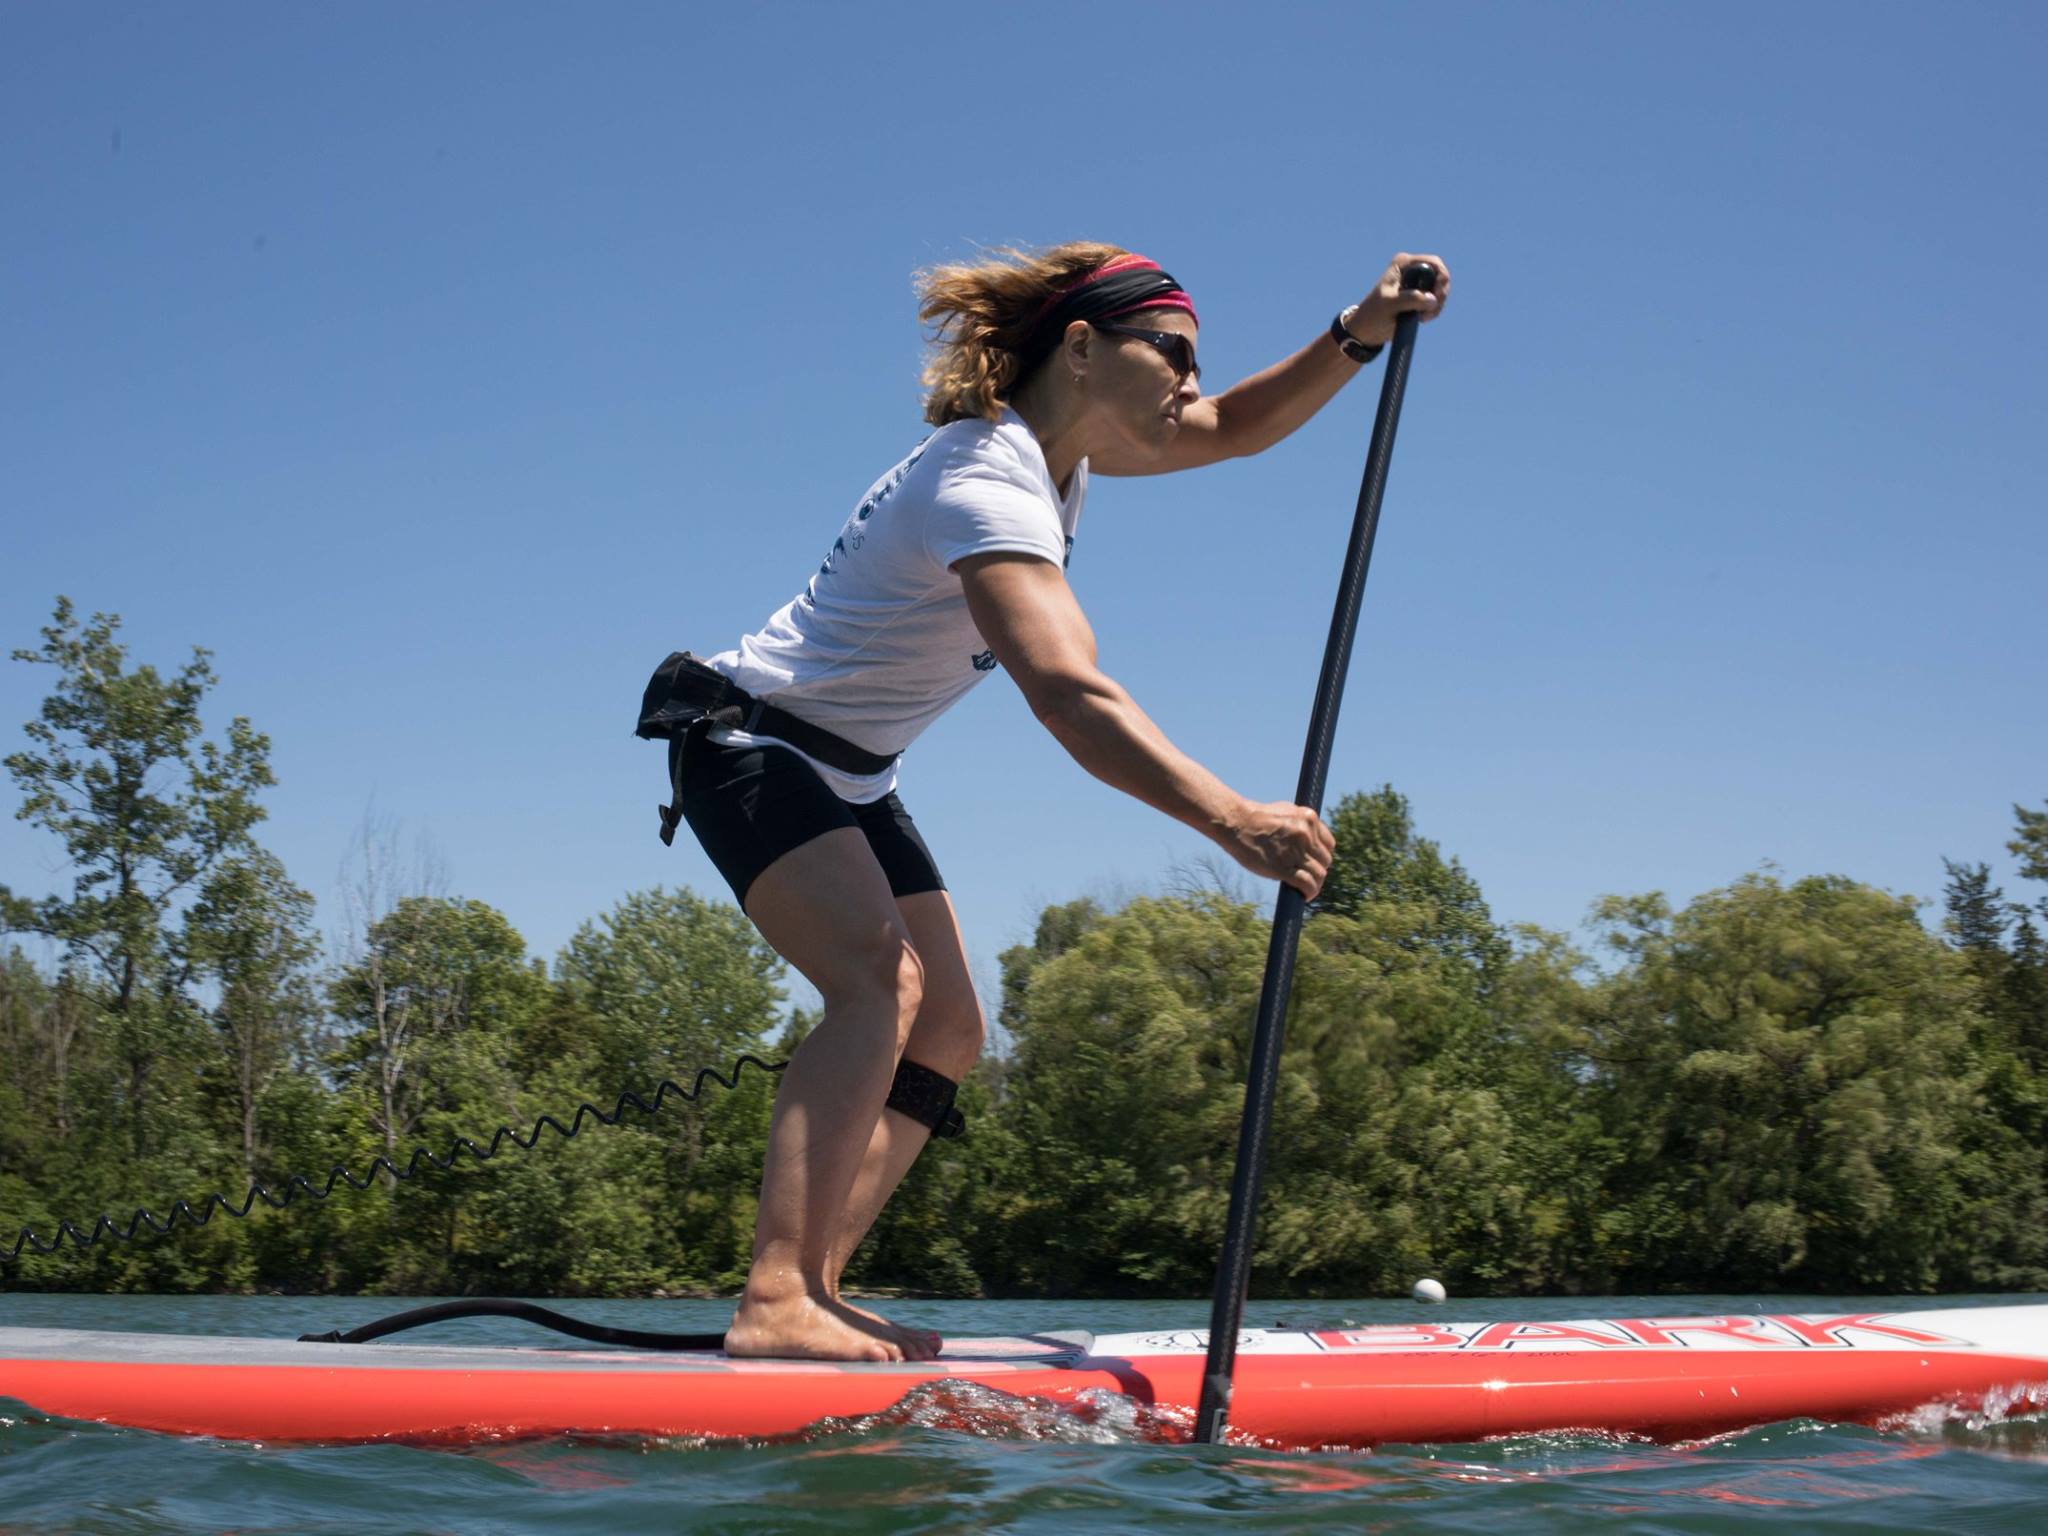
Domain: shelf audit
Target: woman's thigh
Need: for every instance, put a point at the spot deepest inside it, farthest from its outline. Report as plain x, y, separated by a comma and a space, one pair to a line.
827, 909
825, 881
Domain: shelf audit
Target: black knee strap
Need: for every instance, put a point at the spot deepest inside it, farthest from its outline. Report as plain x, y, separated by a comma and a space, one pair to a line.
926, 1097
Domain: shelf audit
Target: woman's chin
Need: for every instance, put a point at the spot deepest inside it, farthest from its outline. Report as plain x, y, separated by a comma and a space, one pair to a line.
1150, 442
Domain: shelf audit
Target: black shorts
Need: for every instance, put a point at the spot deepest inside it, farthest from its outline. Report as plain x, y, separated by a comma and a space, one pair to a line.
751, 805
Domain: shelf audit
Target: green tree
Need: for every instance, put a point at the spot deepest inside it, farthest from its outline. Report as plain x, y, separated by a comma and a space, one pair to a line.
429, 1007
674, 982
1123, 1100
146, 807
37, 1035
1382, 862
1786, 1068
432, 1009
1978, 915
2030, 844
42, 1024
1538, 1063
249, 939
2002, 946
659, 986
2025, 996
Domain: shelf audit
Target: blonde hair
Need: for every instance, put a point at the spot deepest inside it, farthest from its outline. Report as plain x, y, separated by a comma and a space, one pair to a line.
982, 315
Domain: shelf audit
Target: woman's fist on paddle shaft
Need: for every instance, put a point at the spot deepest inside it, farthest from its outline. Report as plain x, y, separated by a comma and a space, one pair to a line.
1282, 841
1373, 323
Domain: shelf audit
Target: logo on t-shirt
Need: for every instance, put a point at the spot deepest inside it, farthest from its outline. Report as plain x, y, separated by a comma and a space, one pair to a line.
985, 662
880, 493
852, 537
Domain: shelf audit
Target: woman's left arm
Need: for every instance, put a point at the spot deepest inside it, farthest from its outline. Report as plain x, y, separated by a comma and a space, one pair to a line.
1255, 413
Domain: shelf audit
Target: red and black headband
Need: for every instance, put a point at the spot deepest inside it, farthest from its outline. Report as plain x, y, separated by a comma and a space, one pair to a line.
1117, 287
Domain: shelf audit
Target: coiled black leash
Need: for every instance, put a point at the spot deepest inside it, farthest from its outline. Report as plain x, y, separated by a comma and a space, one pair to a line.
107, 1227
525, 1311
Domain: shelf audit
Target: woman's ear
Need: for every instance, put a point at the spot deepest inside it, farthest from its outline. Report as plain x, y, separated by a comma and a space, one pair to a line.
1074, 347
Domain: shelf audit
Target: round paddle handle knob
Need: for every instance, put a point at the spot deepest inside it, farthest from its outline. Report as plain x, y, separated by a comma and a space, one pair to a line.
1419, 277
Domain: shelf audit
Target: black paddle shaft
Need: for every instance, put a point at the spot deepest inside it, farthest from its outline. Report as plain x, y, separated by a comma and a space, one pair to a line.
1233, 1273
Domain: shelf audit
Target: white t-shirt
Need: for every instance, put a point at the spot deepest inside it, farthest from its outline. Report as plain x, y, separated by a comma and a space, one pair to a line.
880, 643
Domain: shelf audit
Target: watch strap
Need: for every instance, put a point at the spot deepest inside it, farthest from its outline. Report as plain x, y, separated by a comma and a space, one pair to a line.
1349, 344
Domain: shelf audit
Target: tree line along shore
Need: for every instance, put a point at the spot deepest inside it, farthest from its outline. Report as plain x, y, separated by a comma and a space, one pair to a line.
1784, 1085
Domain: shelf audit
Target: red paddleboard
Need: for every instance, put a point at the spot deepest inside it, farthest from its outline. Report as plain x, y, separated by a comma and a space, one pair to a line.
1664, 1377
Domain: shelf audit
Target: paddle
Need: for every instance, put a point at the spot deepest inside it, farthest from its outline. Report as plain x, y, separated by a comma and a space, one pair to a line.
1233, 1273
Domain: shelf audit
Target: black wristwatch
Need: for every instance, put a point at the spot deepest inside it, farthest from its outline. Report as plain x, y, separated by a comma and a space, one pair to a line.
1349, 344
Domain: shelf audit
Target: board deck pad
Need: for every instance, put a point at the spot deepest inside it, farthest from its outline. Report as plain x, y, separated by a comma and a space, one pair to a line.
1665, 1377
225, 1352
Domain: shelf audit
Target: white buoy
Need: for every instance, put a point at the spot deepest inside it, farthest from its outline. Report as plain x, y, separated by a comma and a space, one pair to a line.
1428, 1290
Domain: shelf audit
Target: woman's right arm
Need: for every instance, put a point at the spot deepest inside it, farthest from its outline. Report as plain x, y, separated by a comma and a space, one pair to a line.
1029, 617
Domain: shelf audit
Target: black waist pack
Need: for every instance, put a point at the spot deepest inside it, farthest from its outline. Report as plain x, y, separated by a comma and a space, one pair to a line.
685, 699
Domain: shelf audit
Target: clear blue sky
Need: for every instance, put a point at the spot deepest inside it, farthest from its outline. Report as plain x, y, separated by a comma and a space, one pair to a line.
442, 367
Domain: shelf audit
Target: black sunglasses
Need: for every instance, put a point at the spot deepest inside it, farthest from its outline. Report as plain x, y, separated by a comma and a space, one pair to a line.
1171, 345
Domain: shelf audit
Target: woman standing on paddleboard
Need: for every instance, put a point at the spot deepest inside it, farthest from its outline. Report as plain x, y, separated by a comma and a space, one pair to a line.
1046, 367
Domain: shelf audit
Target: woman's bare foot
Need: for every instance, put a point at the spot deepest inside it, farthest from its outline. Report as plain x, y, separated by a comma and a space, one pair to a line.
807, 1327
917, 1343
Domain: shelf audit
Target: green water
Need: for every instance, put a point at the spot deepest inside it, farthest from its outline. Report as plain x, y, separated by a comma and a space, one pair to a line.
1039, 1469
